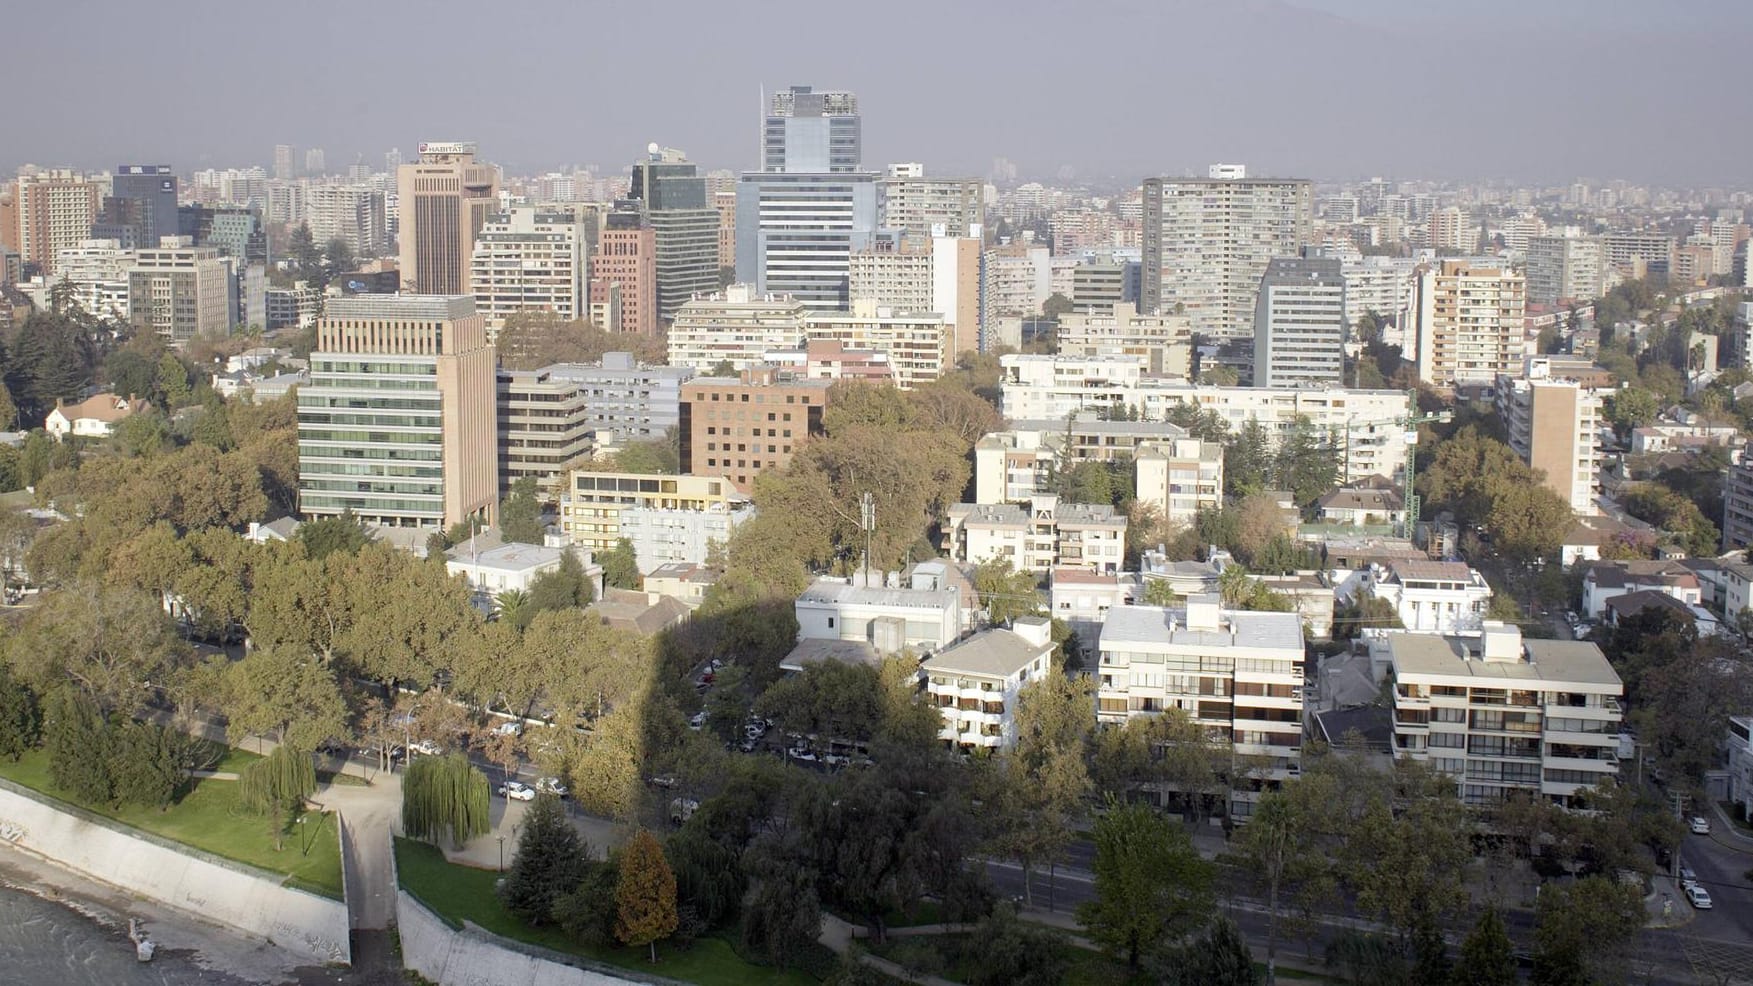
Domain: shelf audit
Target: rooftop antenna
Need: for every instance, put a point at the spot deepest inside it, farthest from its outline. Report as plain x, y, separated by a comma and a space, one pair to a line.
867, 521
761, 131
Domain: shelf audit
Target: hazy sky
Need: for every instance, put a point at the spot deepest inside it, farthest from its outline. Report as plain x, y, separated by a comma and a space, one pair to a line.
1536, 90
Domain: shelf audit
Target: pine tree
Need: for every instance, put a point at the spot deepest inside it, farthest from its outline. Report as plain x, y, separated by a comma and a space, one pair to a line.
520, 515
621, 565
550, 863
1488, 956
645, 895
146, 765
21, 721
78, 741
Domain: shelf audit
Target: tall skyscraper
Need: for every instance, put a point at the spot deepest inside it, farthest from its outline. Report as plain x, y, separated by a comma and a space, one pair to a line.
807, 131
626, 257
141, 208
1563, 269
443, 199
398, 422
1554, 423
672, 197
314, 162
1299, 323
1207, 242
800, 217
1468, 323
919, 206
56, 210
282, 162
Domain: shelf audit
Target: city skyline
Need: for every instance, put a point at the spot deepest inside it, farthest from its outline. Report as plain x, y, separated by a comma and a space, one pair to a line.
1533, 98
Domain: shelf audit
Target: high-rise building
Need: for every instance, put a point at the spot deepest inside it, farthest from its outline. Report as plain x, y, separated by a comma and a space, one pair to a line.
807, 131
1207, 242
672, 197
1299, 323
141, 208
1636, 254
352, 214
737, 326
56, 210
1564, 269
726, 204
1451, 230
283, 162
314, 162
1163, 343
1468, 323
738, 427
800, 217
919, 345
920, 208
530, 261
180, 291
442, 201
626, 261
397, 424
1554, 424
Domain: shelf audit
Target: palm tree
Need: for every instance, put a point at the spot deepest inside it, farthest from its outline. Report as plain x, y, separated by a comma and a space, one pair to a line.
511, 606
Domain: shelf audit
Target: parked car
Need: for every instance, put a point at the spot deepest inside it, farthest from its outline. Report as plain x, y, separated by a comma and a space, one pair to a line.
509, 729
1687, 877
552, 785
697, 721
1699, 825
514, 791
682, 809
663, 780
1698, 897
427, 748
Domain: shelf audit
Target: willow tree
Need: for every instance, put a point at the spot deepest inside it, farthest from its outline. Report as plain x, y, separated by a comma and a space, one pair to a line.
276, 782
444, 794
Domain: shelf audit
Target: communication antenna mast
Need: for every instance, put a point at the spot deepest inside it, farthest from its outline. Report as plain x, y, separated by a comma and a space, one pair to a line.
867, 522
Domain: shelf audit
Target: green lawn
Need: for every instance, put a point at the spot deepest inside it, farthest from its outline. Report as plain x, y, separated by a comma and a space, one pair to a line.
942, 955
209, 819
465, 893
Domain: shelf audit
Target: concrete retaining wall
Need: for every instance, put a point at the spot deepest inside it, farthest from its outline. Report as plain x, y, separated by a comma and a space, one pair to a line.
472, 957
204, 885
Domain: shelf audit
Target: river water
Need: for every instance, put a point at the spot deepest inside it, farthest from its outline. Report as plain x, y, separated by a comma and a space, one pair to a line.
44, 943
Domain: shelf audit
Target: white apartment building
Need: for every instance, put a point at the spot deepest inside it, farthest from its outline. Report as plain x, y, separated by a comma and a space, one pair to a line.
1554, 424
1165, 342
1607, 580
974, 683
669, 535
898, 278
1083, 599
1043, 387
1207, 242
1018, 280
1179, 477
1565, 269
1451, 229
353, 214
890, 620
1501, 714
919, 345
1431, 596
98, 273
1299, 324
510, 567
1634, 254
921, 207
1239, 675
942, 275
1468, 323
1378, 284
530, 261
592, 504
737, 326
1040, 535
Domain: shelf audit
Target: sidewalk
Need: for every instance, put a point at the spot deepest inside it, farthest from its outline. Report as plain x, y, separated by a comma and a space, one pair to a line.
1724, 832
1666, 906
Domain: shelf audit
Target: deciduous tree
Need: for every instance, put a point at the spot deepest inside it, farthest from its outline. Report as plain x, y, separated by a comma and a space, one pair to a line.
1152, 886
444, 797
645, 894
277, 783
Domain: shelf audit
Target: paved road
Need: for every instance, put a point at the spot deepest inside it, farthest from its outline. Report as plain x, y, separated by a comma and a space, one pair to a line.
1722, 872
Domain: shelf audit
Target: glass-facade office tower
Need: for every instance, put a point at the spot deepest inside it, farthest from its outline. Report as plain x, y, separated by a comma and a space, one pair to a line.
807, 130
672, 196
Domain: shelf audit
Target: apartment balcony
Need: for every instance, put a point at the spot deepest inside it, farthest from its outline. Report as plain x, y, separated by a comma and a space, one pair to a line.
1269, 725
1609, 709
1604, 765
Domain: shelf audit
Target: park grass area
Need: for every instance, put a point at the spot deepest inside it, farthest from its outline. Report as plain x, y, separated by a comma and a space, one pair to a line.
465, 893
208, 818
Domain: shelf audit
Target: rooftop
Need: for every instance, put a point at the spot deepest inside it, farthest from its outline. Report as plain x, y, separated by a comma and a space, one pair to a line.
815, 651
509, 557
1545, 660
1431, 571
1160, 625
834, 592
103, 407
995, 653
413, 307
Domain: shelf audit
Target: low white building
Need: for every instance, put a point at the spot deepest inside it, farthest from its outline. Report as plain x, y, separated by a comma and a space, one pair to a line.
1739, 746
890, 620
1609, 579
1179, 477
507, 567
1431, 596
663, 536
975, 683
94, 417
1083, 599
1041, 535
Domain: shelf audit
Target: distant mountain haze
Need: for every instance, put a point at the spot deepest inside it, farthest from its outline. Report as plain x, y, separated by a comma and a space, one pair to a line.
1535, 91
